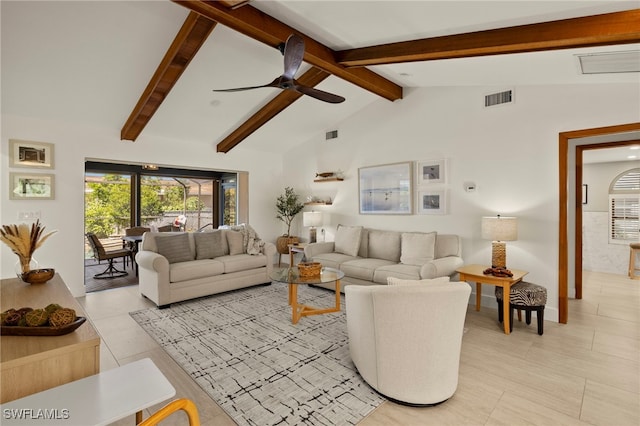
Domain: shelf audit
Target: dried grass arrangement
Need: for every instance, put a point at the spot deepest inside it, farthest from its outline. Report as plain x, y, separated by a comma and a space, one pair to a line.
23, 240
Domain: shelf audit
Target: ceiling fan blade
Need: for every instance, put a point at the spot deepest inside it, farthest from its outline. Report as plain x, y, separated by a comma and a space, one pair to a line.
319, 94
274, 83
293, 54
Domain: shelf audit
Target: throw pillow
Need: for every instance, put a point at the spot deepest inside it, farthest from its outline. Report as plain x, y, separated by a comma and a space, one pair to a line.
236, 244
417, 248
174, 247
347, 240
208, 244
399, 281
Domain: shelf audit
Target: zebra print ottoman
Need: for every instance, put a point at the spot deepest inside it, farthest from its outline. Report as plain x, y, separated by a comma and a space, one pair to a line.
527, 297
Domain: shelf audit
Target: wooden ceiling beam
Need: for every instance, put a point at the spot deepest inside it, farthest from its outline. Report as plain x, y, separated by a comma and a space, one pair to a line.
285, 98
190, 38
597, 30
266, 29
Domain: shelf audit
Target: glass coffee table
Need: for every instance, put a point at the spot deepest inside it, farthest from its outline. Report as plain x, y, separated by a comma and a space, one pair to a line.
292, 277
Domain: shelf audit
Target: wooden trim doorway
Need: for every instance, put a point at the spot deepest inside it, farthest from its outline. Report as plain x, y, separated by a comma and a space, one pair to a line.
563, 237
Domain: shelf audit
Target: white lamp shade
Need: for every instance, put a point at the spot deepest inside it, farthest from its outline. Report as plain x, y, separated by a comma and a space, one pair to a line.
500, 228
312, 219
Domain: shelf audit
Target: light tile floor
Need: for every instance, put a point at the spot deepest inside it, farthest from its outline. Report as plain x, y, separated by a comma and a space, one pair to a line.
586, 372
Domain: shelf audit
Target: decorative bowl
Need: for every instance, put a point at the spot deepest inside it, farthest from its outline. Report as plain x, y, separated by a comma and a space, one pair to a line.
38, 276
309, 269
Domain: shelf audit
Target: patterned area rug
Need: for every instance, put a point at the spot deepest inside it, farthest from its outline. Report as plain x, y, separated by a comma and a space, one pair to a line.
242, 349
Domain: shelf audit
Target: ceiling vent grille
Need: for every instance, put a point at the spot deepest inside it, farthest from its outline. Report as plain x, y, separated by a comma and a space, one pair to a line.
331, 135
498, 98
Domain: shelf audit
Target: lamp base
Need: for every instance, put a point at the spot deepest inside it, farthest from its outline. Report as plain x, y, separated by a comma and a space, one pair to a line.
498, 254
312, 235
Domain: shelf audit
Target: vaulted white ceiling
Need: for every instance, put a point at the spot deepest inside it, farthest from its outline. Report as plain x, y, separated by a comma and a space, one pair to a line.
90, 61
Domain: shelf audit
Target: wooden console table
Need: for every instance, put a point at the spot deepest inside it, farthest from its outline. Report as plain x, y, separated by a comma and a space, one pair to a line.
30, 364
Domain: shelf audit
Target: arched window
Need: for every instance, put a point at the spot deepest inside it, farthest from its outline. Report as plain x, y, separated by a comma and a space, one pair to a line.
624, 210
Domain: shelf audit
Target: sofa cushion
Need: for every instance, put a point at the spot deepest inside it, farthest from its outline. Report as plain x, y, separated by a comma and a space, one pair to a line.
174, 247
362, 268
332, 260
384, 245
407, 272
417, 248
185, 271
242, 262
347, 240
364, 243
236, 245
208, 244
399, 281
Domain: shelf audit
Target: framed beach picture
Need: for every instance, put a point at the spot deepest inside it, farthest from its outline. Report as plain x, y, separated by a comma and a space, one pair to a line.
432, 202
24, 186
385, 189
431, 171
30, 154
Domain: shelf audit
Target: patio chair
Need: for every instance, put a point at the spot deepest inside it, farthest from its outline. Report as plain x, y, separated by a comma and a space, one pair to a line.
100, 254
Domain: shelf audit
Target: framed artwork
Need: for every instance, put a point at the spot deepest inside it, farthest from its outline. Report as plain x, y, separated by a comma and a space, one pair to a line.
385, 189
585, 193
30, 154
431, 171
432, 202
24, 186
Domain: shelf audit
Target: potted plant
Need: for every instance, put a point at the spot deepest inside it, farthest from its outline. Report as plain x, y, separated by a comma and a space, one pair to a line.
288, 206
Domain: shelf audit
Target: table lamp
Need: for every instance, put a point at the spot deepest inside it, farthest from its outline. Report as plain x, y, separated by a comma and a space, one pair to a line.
499, 229
312, 219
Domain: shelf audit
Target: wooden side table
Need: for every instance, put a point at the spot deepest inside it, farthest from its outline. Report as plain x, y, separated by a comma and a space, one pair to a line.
30, 364
474, 273
295, 248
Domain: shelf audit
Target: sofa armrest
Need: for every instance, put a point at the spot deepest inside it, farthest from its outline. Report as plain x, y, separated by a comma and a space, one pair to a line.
269, 250
442, 267
153, 277
314, 249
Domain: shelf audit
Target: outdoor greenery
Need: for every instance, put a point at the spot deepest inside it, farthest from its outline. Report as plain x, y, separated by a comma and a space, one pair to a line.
107, 205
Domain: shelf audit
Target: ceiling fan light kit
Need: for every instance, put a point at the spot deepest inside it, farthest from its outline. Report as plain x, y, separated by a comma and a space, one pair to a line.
293, 51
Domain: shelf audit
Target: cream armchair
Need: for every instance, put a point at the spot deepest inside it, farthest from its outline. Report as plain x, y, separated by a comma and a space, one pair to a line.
405, 340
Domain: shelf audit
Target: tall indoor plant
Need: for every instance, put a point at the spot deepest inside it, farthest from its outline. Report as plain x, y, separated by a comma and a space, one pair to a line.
288, 205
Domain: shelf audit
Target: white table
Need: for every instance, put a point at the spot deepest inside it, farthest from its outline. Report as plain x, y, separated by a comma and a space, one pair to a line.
100, 399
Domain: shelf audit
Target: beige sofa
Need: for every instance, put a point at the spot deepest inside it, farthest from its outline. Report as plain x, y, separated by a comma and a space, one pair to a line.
177, 266
370, 256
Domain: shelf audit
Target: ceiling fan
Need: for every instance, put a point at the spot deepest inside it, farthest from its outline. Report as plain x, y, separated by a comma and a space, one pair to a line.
293, 51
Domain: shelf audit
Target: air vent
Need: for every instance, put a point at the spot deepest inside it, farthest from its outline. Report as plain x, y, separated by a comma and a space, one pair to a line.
332, 135
610, 62
498, 98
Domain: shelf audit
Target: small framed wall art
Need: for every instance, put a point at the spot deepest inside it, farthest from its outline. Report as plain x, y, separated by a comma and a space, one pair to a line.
37, 186
431, 171
30, 154
432, 202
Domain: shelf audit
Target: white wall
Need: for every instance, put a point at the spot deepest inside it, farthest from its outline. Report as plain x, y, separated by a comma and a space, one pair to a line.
509, 151
597, 253
74, 143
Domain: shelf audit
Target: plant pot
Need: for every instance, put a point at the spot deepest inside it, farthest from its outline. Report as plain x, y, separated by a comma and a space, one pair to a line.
282, 243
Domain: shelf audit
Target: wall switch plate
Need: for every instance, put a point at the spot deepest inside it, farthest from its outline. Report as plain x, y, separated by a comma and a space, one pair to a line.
32, 215
470, 186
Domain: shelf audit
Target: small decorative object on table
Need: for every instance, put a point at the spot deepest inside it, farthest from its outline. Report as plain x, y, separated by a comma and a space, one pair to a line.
498, 272
38, 276
23, 241
309, 269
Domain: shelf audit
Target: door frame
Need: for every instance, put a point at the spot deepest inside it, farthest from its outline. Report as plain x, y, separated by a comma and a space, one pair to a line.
564, 142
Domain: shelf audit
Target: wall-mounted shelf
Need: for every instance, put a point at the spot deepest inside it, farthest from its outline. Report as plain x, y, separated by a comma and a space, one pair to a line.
318, 203
331, 179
